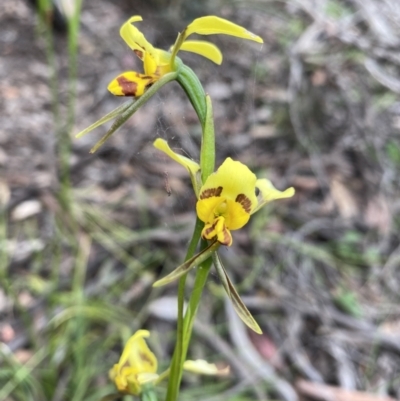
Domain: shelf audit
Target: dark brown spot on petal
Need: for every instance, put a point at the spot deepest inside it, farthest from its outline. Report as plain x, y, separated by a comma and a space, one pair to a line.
145, 358
139, 53
125, 365
128, 88
208, 193
244, 201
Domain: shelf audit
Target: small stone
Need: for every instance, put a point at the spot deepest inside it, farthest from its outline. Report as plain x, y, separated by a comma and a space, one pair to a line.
26, 209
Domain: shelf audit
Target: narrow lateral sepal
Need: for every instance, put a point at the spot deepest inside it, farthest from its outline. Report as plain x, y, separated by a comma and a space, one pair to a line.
111, 115
238, 304
188, 265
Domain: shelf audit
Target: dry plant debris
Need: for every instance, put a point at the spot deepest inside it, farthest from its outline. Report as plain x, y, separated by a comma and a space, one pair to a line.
318, 108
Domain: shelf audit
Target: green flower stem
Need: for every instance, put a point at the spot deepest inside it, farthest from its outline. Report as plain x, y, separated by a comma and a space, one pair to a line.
203, 107
185, 326
201, 278
207, 163
177, 363
195, 92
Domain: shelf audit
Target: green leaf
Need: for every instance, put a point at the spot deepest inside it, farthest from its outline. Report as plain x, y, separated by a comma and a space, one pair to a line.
238, 304
188, 265
207, 153
191, 84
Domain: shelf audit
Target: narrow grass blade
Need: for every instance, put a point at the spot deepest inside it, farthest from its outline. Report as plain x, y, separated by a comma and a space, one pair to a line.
188, 265
238, 304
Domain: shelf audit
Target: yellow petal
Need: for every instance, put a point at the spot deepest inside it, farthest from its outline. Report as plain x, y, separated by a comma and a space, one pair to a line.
191, 166
137, 355
205, 49
236, 181
113, 372
202, 367
130, 83
124, 380
268, 193
214, 25
138, 43
205, 208
237, 216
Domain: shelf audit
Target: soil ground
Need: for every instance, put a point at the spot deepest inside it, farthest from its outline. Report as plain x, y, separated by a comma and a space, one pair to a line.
316, 107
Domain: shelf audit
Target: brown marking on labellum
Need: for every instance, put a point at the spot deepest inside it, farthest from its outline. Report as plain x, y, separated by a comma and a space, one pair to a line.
145, 358
207, 231
208, 193
128, 88
139, 53
244, 201
224, 234
227, 237
125, 365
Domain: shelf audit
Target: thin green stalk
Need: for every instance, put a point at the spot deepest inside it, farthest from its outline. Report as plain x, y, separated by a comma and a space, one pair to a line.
177, 364
201, 278
207, 162
3, 246
64, 140
44, 10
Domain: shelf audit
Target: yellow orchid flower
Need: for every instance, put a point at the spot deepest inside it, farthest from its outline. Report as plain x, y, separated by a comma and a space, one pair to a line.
225, 202
228, 198
158, 62
138, 366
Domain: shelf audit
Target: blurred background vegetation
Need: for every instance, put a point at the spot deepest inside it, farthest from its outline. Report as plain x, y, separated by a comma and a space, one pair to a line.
83, 237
